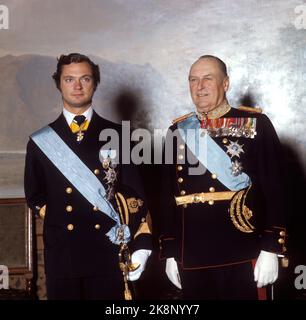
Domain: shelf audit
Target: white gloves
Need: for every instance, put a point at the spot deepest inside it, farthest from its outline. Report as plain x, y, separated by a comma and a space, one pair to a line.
172, 272
265, 272
140, 257
266, 268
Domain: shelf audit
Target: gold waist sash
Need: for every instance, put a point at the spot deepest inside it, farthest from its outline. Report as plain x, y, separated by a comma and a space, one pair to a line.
204, 196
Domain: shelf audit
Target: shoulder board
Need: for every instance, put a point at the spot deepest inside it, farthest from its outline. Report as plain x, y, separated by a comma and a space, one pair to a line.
179, 119
250, 109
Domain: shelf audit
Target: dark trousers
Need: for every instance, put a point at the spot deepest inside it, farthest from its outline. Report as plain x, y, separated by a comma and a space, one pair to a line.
91, 288
234, 282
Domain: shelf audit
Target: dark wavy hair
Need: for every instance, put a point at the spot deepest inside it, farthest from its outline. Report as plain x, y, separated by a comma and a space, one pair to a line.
75, 58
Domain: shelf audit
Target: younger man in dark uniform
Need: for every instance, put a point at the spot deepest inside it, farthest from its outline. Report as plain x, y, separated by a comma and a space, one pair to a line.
84, 194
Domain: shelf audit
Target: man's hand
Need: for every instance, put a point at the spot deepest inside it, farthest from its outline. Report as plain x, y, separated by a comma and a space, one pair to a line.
172, 272
139, 257
266, 268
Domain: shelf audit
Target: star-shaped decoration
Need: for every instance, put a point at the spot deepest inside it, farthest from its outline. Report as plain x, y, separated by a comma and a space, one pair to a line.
110, 175
234, 149
236, 168
106, 163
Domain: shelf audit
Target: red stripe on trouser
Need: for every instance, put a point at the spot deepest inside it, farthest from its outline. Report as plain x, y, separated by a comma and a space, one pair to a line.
261, 292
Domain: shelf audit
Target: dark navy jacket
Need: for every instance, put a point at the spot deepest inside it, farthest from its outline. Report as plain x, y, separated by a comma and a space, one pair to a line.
85, 250
202, 235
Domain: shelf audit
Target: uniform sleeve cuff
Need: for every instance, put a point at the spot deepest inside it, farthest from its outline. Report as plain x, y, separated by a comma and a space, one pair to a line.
274, 240
168, 248
143, 241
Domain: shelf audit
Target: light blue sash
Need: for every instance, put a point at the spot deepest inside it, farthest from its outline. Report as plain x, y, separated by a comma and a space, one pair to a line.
211, 155
79, 175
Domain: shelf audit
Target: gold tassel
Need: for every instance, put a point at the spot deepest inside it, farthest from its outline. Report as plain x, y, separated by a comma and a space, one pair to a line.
125, 266
127, 292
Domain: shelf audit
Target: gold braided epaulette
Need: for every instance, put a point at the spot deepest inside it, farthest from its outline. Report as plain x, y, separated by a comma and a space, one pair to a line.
250, 109
179, 119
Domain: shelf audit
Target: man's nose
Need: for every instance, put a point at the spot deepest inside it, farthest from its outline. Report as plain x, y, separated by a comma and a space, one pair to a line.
78, 84
201, 83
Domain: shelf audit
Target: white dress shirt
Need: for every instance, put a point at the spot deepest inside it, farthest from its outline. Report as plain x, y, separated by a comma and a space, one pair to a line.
70, 116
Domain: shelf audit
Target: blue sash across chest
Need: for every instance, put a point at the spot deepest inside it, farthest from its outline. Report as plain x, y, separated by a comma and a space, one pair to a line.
81, 177
210, 154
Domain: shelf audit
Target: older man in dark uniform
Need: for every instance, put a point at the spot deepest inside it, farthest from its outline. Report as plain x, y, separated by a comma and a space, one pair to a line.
223, 219
92, 205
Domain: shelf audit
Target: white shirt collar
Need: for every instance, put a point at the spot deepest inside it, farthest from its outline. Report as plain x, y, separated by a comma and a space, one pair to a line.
69, 116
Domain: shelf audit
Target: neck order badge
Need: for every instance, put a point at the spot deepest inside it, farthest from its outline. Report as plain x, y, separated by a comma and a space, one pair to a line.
78, 126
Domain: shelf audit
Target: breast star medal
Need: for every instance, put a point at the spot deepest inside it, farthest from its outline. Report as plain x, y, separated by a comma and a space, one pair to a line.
234, 149
108, 160
236, 168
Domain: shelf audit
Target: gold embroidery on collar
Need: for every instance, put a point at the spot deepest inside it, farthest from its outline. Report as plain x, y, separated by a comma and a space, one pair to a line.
215, 113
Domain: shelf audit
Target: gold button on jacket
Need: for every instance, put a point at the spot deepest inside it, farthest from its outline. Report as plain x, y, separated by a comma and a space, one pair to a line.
68, 190
70, 227
69, 208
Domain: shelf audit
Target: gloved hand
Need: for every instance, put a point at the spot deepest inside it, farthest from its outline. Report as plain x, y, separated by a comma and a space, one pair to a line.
172, 272
139, 256
266, 268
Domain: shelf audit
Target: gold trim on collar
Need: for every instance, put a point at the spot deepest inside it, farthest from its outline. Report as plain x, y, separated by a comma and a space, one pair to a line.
215, 113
